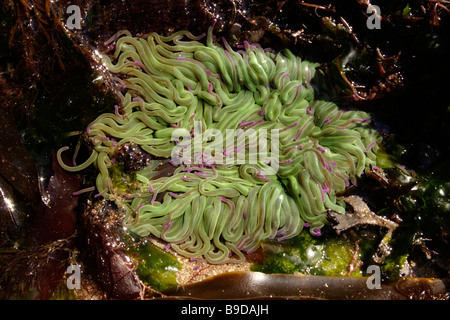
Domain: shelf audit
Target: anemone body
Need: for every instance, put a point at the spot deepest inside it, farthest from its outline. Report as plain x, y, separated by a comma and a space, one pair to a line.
178, 92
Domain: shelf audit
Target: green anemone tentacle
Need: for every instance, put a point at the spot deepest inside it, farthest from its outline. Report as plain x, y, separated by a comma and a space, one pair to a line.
288, 156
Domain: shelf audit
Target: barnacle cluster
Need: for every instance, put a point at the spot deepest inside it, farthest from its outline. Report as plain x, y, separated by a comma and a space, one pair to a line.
223, 199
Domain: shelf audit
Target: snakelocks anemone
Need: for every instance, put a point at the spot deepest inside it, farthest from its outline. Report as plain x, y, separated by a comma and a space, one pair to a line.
255, 153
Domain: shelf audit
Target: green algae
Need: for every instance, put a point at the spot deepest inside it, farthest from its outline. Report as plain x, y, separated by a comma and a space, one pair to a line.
155, 267
306, 254
121, 180
426, 217
64, 293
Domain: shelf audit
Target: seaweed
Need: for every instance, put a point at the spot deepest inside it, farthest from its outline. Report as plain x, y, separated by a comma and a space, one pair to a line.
306, 254
154, 266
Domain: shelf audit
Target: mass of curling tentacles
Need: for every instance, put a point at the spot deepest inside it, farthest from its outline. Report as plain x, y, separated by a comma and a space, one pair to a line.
220, 211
